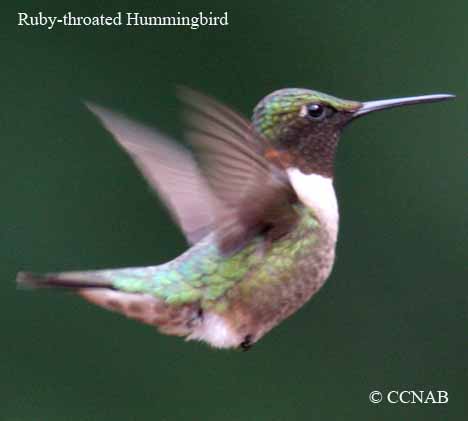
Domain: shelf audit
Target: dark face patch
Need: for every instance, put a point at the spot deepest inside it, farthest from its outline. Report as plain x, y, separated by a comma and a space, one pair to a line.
312, 144
304, 127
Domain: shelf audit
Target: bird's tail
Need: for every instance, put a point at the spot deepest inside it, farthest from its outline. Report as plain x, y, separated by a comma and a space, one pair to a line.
69, 280
98, 288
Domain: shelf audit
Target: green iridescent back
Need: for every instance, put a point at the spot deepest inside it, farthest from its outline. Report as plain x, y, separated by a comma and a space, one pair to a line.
204, 274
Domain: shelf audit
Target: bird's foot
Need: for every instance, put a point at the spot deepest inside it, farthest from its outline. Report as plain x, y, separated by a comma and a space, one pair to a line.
246, 344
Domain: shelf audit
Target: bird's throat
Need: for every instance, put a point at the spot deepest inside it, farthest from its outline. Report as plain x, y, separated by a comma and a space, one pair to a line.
317, 193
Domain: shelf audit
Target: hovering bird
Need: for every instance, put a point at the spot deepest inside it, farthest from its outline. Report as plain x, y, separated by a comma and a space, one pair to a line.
257, 207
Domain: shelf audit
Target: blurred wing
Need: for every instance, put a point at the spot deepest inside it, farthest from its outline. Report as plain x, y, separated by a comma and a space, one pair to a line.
255, 194
229, 150
169, 169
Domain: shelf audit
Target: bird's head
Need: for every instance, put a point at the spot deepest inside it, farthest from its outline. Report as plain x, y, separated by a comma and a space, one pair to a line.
303, 126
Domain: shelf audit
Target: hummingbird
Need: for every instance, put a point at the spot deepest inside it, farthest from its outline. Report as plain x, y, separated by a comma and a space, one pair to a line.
256, 204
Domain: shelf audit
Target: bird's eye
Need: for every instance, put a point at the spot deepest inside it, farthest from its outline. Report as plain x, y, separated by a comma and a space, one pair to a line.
316, 111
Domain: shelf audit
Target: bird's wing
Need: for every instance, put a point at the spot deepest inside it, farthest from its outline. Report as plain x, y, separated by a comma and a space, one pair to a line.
235, 192
169, 169
255, 195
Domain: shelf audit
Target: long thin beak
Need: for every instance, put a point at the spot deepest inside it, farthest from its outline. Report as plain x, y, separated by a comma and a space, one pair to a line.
368, 107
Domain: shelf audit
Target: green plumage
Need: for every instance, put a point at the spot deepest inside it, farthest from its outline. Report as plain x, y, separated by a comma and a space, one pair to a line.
281, 107
203, 274
258, 209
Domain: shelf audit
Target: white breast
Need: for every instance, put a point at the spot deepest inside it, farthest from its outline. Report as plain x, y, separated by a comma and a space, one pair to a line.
317, 193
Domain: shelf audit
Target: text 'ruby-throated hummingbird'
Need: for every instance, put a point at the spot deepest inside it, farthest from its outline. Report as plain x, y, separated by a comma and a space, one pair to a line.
258, 208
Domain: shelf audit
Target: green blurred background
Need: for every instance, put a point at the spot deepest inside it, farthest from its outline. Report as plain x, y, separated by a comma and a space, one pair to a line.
394, 313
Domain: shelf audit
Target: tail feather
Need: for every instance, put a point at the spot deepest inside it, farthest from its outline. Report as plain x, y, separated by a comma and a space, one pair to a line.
30, 280
181, 319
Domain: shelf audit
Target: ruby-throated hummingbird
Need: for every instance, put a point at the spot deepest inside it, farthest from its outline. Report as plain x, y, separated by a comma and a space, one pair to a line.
258, 208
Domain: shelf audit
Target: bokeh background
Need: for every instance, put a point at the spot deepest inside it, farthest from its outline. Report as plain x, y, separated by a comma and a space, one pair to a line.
393, 315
